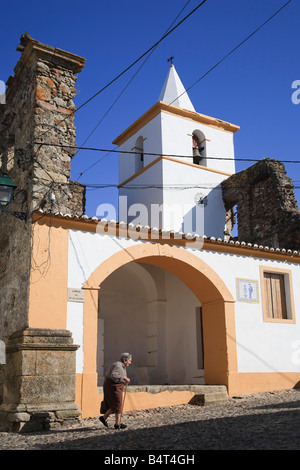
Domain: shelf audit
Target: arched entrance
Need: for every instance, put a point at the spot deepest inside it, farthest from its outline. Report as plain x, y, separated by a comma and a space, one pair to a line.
219, 344
148, 311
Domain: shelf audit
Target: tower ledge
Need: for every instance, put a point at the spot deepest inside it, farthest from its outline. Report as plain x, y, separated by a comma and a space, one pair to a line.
160, 106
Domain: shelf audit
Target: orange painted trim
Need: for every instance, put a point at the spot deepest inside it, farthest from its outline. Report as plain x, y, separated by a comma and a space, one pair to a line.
240, 384
86, 395
48, 275
202, 118
169, 258
290, 293
245, 383
251, 252
140, 171
219, 336
90, 225
144, 400
88, 399
86, 383
219, 340
159, 107
217, 305
172, 159
86, 387
66, 222
205, 168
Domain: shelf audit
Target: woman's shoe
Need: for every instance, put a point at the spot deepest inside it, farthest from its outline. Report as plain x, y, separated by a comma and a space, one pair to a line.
122, 426
103, 421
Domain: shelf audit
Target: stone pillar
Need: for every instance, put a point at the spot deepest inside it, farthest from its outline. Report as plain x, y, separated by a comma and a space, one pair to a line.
39, 388
39, 108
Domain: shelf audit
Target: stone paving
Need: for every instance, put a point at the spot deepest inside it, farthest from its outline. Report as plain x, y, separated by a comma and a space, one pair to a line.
269, 421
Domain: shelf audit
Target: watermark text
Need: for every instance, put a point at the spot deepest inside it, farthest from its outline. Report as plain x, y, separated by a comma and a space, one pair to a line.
155, 221
296, 93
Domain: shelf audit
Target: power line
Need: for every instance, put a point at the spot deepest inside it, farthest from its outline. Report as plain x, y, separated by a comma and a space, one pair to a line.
233, 50
94, 164
178, 186
209, 71
130, 66
126, 86
143, 55
174, 186
197, 81
158, 154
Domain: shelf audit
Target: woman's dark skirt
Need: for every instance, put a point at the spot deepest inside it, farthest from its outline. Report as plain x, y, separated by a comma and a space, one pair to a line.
113, 395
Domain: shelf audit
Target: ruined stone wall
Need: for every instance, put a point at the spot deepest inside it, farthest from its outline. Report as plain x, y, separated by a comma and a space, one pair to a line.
54, 119
39, 108
16, 127
267, 209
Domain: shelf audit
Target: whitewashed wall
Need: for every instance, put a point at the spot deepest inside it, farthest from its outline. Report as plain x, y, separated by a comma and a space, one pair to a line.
151, 133
169, 134
176, 199
261, 346
177, 140
172, 135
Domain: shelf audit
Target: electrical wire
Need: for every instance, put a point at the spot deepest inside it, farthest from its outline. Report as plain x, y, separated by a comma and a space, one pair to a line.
125, 88
129, 152
232, 51
130, 66
151, 50
179, 186
203, 76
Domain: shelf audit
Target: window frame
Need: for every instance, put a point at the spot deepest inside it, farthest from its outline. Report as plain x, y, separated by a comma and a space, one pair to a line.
289, 295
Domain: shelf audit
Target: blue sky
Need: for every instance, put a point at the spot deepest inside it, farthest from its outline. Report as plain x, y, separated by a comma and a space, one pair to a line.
252, 88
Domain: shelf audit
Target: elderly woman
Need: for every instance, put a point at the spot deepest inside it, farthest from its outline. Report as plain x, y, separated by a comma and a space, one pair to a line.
113, 389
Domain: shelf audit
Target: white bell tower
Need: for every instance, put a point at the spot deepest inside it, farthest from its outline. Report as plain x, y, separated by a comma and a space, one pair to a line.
176, 161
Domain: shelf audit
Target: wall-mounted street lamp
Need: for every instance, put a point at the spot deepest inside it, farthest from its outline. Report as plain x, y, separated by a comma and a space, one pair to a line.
7, 187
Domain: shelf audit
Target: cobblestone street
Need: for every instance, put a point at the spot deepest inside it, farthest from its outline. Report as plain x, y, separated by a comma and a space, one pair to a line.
268, 421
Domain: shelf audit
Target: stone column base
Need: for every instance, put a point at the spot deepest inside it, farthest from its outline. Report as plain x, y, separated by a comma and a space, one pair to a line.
39, 389
31, 418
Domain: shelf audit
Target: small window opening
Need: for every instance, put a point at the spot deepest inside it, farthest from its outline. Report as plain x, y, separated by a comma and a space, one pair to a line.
276, 295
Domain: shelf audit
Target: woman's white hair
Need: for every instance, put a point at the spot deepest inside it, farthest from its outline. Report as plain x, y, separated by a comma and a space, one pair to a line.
125, 356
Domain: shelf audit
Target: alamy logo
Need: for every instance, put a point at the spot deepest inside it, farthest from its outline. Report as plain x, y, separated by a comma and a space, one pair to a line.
139, 219
2, 92
296, 94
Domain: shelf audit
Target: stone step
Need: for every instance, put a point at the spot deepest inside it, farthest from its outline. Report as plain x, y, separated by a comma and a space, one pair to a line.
210, 398
203, 394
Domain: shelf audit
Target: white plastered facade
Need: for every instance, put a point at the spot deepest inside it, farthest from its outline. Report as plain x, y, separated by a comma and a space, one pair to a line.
174, 180
261, 346
155, 311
